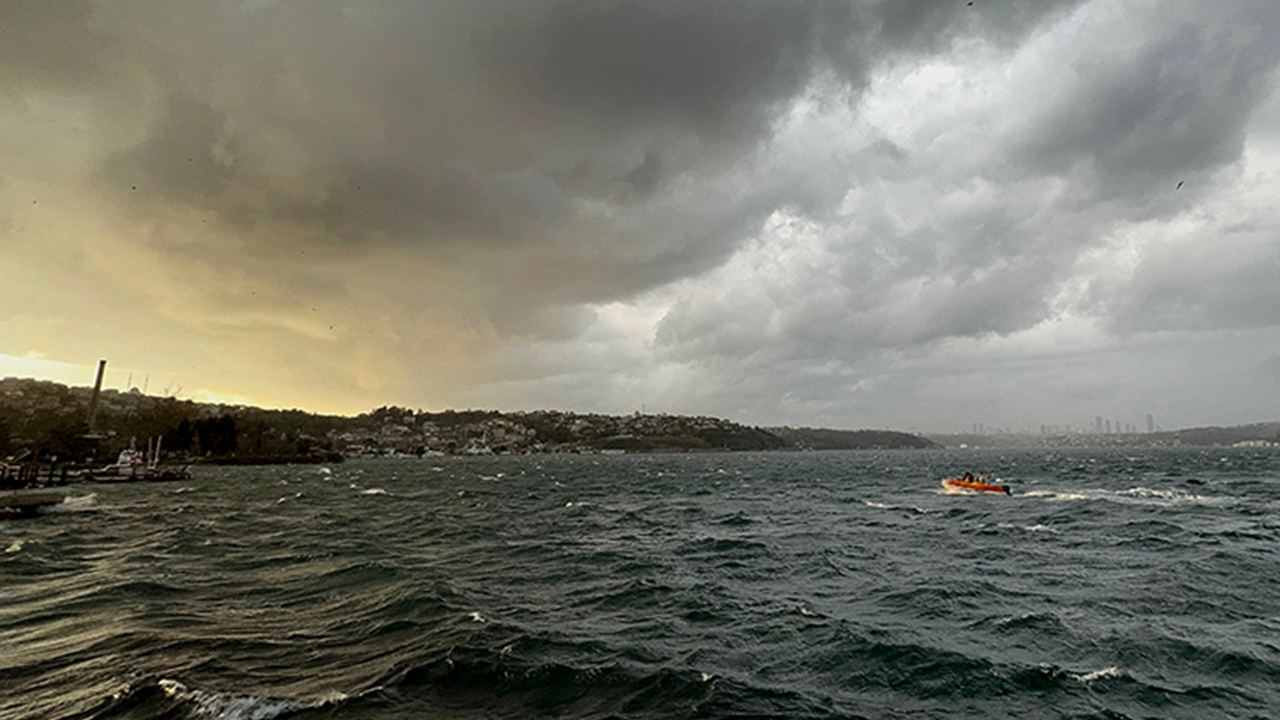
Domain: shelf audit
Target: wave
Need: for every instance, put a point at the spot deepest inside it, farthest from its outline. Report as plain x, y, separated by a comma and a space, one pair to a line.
913, 509
1159, 496
169, 698
813, 597
1037, 624
1088, 678
507, 686
735, 520
512, 674
1133, 496
73, 504
1033, 528
724, 547
1053, 495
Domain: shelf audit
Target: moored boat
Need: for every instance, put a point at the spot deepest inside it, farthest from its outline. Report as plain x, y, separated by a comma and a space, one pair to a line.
132, 465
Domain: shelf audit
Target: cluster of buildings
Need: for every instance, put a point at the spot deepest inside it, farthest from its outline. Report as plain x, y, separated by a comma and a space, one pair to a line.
429, 438
1099, 426
409, 433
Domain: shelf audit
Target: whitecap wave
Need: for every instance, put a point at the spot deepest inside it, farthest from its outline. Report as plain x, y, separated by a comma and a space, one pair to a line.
1090, 677
1027, 528
15, 547
373, 491
220, 706
1170, 497
1051, 495
74, 503
913, 508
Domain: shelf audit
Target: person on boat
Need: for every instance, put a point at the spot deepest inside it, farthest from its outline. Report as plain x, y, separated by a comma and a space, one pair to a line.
968, 476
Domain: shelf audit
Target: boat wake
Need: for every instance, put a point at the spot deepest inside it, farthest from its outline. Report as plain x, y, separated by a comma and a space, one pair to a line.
1133, 496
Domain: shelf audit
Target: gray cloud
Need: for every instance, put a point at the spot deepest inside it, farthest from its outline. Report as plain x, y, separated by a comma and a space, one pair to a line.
714, 67
1209, 280
385, 121
49, 45
927, 26
809, 201
910, 275
1169, 107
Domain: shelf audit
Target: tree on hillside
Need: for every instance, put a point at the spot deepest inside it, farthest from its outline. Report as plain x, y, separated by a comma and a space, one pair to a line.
6, 438
181, 438
65, 440
217, 436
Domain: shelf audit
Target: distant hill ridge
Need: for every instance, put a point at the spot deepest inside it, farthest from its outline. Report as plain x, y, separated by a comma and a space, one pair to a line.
1262, 434
50, 418
825, 439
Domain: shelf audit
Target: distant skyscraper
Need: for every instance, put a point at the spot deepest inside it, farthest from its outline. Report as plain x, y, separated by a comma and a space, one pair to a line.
1108, 426
1097, 423
1151, 423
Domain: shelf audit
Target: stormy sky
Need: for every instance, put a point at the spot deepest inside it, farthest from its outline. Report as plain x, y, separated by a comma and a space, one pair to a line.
917, 214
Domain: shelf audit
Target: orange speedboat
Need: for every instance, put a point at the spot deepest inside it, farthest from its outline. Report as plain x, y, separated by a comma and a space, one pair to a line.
962, 485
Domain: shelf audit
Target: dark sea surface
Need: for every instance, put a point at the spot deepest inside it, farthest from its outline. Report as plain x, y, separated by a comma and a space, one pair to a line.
1112, 584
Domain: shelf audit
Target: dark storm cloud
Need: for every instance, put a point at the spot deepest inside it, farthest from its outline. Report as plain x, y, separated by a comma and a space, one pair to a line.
716, 68
48, 44
798, 197
471, 123
1170, 107
988, 239
262, 107
592, 95
928, 25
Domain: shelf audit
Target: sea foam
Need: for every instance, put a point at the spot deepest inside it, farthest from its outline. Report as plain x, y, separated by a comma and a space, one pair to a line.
1090, 677
229, 707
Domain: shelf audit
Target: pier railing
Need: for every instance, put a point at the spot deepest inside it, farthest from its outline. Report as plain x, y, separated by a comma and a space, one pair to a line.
27, 475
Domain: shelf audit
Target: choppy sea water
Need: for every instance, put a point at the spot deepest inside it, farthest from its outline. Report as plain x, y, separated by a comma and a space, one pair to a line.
1113, 584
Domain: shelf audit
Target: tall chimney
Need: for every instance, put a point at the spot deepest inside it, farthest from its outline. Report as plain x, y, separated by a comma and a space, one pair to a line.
93, 400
